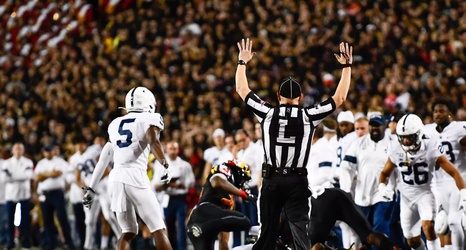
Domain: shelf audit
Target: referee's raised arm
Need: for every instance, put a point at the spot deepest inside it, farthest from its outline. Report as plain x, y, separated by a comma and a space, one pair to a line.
345, 58
245, 54
287, 129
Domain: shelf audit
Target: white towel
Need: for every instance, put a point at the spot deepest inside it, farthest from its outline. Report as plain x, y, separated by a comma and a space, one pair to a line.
118, 196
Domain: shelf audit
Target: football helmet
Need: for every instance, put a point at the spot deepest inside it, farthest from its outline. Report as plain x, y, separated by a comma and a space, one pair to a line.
140, 99
441, 222
241, 172
409, 132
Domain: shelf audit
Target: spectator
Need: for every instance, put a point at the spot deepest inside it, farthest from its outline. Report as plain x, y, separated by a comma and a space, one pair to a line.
3, 213
177, 190
361, 126
75, 191
18, 170
49, 186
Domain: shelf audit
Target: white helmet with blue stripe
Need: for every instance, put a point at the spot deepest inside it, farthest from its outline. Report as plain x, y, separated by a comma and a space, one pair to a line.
140, 99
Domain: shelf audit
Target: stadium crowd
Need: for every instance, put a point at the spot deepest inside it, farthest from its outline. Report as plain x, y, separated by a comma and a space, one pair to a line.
66, 68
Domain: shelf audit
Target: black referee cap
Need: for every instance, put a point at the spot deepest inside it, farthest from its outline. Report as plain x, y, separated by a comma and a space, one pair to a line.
290, 88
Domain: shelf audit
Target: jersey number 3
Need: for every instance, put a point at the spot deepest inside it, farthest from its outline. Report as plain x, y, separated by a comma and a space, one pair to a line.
125, 132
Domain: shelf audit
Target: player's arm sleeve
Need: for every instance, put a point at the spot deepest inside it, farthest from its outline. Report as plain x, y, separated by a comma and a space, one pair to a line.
462, 136
105, 157
347, 173
322, 176
348, 166
259, 107
153, 135
446, 165
220, 181
387, 170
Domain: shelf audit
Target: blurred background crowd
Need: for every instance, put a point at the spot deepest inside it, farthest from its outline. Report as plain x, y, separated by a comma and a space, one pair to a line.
66, 66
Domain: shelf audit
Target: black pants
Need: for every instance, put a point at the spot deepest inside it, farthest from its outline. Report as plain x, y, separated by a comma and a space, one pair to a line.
55, 204
335, 204
290, 194
80, 225
207, 220
25, 226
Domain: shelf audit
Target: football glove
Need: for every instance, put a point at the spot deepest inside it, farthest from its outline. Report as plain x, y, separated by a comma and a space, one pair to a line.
247, 196
386, 192
252, 198
88, 198
166, 178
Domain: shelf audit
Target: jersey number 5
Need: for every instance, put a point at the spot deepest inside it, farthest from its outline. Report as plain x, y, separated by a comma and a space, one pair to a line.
125, 132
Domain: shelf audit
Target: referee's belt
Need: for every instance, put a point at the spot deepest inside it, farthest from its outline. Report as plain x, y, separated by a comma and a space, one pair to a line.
289, 171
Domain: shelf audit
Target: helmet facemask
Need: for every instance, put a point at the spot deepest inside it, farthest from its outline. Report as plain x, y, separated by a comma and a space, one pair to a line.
409, 132
241, 173
410, 142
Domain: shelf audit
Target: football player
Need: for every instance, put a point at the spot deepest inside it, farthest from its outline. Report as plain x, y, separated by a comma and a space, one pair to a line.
452, 135
213, 213
84, 169
131, 138
332, 204
415, 158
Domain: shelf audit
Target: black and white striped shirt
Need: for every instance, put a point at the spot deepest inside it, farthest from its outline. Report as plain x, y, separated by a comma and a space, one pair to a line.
287, 130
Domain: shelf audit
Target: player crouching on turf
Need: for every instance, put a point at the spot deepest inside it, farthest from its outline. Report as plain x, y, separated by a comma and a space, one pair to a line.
213, 213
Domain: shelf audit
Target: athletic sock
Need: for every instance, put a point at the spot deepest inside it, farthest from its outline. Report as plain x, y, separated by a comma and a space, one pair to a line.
433, 244
104, 242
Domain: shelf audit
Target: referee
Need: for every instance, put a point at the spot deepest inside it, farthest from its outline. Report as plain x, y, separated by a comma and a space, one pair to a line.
287, 131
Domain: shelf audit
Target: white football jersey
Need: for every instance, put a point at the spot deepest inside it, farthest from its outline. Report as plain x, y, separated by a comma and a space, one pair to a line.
250, 157
211, 155
75, 192
225, 155
342, 145
450, 139
366, 159
131, 149
87, 162
415, 170
319, 166
216, 156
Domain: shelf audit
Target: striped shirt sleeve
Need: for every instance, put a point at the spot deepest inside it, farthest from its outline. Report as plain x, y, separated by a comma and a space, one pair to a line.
259, 107
317, 113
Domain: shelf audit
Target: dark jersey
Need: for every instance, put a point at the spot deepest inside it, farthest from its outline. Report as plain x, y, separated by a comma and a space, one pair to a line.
217, 196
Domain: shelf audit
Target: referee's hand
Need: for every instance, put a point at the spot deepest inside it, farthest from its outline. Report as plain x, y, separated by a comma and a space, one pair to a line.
345, 56
245, 50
